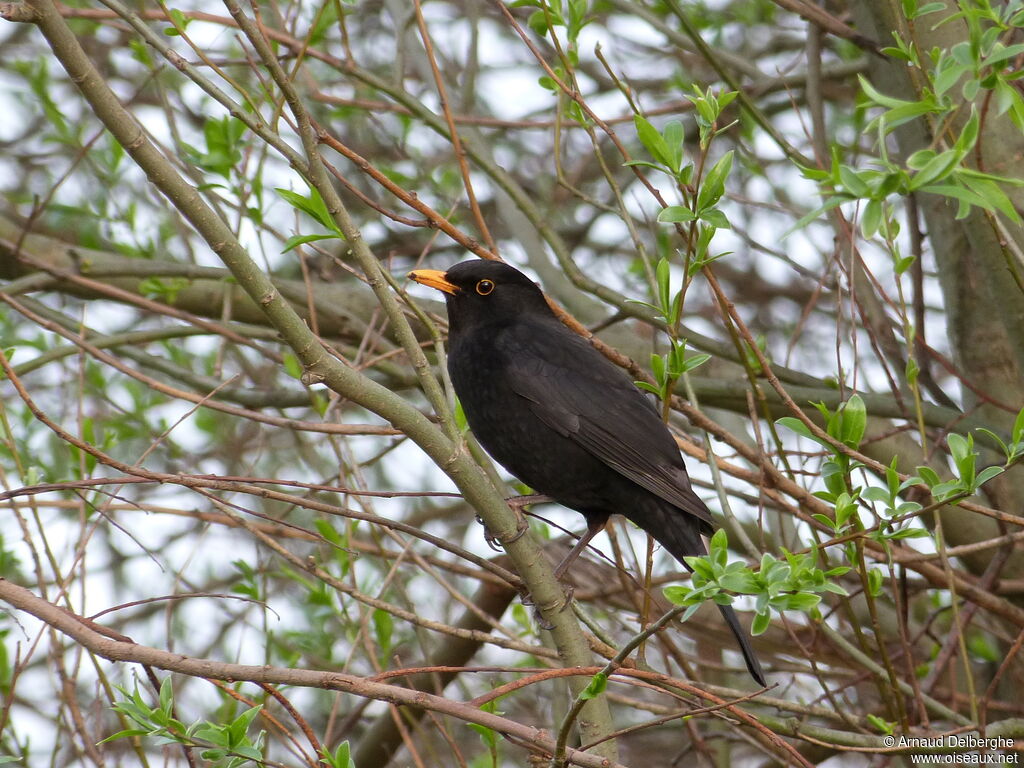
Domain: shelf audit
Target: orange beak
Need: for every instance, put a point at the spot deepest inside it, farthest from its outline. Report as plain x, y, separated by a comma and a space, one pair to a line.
433, 278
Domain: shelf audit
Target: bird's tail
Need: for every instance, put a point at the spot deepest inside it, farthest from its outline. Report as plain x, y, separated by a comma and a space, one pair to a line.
680, 535
753, 665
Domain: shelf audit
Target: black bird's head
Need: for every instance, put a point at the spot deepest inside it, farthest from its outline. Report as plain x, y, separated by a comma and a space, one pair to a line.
482, 291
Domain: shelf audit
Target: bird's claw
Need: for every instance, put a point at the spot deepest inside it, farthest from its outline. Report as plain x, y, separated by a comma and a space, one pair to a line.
492, 541
521, 529
570, 591
527, 600
495, 542
542, 623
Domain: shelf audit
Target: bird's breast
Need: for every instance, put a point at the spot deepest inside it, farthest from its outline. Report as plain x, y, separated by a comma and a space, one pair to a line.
506, 426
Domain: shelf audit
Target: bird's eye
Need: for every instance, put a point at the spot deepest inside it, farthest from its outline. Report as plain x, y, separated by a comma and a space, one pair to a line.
484, 287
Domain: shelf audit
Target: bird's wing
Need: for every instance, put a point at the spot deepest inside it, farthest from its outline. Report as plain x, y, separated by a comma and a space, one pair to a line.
573, 389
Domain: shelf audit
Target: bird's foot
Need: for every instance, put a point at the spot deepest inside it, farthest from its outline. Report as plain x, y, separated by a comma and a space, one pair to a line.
495, 542
527, 600
492, 541
569, 591
521, 528
542, 623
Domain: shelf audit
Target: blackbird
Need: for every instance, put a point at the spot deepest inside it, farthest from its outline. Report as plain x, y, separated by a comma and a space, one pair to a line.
563, 419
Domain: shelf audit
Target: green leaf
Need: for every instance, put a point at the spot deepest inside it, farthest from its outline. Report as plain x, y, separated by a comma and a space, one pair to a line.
715, 218
677, 594
854, 421
179, 20
854, 184
313, 206
694, 361
814, 174
166, 695
871, 219
968, 136
538, 22
761, 623
1018, 427
1001, 54
296, 240
125, 734
833, 202
875, 581
713, 186
460, 414
663, 278
901, 265
795, 425
383, 625
880, 724
802, 601
742, 582
930, 8
962, 450
643, 164
342, 757
878, 97
845, 508
836, 589
921, 158
701, 567
674, 136
652, 141
595, 687
292, 366
936, 169
689, 612
240, 725
875, 493
898, 117
676, 214
947, 78
987, 474
719, 541
994, 197
909, 533
825, 520
658, 369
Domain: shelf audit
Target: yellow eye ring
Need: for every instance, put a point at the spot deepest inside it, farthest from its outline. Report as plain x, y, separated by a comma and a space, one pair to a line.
484, 287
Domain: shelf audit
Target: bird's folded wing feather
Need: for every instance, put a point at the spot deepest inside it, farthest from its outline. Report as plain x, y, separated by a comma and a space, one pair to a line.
578, 393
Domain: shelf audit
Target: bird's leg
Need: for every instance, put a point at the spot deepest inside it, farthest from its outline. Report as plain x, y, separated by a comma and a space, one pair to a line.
518, 502
594, 527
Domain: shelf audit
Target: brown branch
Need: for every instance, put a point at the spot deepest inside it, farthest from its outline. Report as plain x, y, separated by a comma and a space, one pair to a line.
199, 482
829, 23
79, 630
453, 132
409, 198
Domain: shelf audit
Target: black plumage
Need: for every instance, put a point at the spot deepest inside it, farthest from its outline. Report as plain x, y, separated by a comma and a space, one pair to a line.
563, 419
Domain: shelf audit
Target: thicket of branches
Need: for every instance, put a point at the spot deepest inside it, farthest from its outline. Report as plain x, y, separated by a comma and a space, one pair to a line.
241, 512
